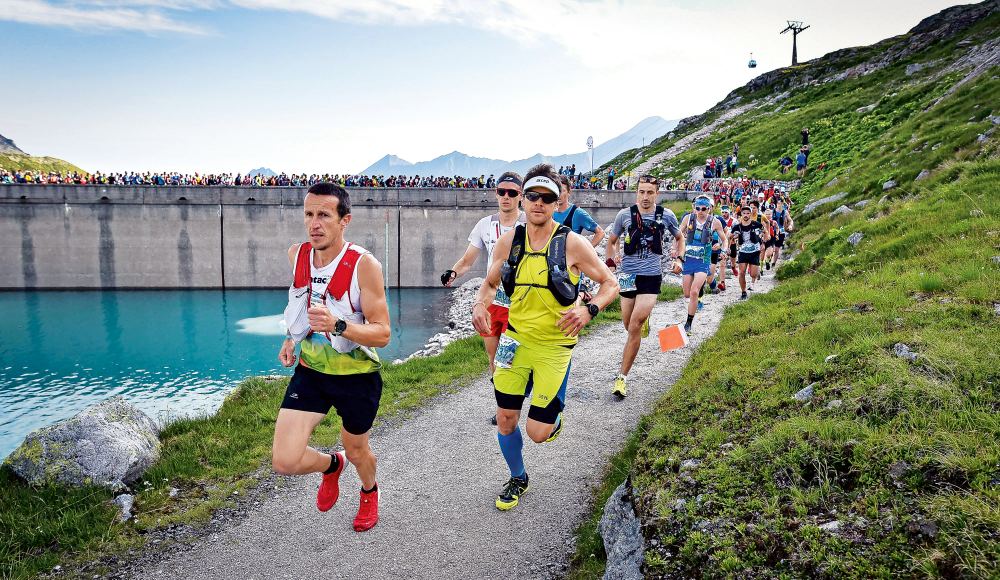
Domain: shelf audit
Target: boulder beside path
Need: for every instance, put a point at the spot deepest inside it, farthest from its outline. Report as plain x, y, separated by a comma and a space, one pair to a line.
109, 444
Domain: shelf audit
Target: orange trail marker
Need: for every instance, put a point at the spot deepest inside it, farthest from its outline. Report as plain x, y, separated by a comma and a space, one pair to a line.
672, 337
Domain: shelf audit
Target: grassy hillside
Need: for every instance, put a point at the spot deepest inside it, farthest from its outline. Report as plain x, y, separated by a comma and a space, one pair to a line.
15, 161
892, 467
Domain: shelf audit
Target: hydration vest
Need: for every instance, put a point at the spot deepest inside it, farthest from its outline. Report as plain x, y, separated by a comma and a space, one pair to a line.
637, 232
568, 220
780, 220
564, 291
337, 294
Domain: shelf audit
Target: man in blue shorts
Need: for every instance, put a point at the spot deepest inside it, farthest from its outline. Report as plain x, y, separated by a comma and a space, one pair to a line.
695, 251
644, 229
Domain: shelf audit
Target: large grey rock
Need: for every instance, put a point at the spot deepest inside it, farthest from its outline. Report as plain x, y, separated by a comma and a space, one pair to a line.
820, 202
108, 444
913, 68
923, 175
862, 203
855, 238
888, 185
840, 210
622, 536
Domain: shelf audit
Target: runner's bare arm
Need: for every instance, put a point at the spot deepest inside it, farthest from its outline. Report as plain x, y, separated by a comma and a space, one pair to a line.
287, 352
488, 291
611, 250
679, 240
465, 263
580, 256
291, 254
598, 236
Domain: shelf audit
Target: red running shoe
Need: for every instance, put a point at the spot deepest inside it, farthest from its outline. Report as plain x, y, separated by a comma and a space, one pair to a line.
329, 490
722, 286
367, 512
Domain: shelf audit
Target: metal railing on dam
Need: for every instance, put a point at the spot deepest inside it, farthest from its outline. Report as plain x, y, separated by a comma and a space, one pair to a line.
130, 237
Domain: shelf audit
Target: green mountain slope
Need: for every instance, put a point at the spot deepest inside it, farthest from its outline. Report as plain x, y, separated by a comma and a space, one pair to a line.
12, 158
891, 468
14, 161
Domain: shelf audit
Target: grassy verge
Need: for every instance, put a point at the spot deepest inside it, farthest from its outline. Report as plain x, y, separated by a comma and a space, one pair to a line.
890, 467
208, 459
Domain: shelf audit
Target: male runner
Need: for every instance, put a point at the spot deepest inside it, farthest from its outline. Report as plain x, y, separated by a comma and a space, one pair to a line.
695, 252
771, 227
748, 233
785, 225
573, 216
544, 261
645, 226
484, 236
337, 312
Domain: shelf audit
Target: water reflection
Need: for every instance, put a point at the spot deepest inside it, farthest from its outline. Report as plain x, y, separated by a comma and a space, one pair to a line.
168, 352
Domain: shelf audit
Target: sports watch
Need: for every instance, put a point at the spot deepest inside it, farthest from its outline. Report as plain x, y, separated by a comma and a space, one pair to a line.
593, 310
339, 327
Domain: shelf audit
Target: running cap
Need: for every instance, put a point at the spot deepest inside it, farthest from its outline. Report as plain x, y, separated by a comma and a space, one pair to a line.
542, 182
760, 195
510, 179
724, 209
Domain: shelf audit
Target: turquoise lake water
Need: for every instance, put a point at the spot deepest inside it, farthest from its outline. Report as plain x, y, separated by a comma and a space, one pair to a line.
168, 352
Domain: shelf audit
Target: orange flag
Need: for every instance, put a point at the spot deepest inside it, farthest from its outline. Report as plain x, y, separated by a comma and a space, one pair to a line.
672, 337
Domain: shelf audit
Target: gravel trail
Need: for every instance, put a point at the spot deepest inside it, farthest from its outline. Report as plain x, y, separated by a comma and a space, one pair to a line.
440, 471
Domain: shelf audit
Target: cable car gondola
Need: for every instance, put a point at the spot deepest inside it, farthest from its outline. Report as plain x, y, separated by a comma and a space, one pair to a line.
753, 63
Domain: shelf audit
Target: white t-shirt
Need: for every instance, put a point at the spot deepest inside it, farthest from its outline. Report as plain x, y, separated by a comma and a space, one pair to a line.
485, 235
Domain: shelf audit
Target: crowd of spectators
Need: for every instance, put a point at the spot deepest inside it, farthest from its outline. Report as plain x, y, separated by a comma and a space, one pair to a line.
579, 181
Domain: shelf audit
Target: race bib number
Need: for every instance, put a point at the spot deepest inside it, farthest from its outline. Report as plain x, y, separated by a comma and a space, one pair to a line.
695, 252
501, 298
505, 352
626, 282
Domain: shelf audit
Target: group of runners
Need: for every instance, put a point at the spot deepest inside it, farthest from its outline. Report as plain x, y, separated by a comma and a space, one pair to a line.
529, 310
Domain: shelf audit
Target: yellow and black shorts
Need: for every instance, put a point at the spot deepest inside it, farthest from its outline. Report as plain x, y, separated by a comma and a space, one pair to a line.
547, 367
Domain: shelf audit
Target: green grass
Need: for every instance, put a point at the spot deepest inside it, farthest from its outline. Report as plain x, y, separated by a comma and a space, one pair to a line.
206, 458
904, 454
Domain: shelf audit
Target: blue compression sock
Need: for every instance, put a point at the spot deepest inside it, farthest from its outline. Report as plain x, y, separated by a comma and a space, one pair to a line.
510, 446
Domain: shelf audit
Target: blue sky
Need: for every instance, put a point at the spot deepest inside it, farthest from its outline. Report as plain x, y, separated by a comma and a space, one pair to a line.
331, 86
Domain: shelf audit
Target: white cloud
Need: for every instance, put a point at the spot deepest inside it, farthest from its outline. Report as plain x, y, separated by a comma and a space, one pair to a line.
148, 20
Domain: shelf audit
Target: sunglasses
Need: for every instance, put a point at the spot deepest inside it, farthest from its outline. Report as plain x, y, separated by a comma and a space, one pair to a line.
701, 208
545, 197
652, 180
502, 191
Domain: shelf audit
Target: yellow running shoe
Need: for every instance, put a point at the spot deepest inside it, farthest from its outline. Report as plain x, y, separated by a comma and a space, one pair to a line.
645, 327
619, 387
511, 492
556, 430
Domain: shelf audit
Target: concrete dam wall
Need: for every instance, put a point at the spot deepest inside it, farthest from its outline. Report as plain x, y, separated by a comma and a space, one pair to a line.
93, 237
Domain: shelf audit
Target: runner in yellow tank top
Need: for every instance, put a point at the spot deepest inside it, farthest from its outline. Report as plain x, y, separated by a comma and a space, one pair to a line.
543, 323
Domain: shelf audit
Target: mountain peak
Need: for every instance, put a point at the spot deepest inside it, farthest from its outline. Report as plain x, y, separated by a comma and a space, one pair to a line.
265, 171
7, 146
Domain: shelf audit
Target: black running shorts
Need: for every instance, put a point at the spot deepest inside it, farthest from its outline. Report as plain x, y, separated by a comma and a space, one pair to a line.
781, 241
715, 257
644, 285
752, 258
356, 397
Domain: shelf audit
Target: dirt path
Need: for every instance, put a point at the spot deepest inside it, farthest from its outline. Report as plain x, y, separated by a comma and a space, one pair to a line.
439, 473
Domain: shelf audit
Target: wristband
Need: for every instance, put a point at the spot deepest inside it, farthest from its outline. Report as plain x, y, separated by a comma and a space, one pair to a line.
478, 303
680, 259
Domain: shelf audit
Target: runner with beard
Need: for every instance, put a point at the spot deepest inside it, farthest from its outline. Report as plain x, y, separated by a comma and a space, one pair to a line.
644, 228
539, 266
749, 235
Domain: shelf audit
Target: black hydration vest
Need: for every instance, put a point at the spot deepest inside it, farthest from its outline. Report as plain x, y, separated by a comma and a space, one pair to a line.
637, 232
559, 285
568, 220
700, 233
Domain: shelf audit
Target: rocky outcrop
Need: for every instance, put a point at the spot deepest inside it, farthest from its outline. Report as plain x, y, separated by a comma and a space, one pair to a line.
819, 202
109, 444
622, 536
7, 146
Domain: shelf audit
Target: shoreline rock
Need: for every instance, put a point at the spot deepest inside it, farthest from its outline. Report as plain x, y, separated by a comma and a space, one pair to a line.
109, 444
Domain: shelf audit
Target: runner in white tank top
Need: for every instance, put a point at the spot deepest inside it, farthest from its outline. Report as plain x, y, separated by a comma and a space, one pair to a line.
339, 367
485, 236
